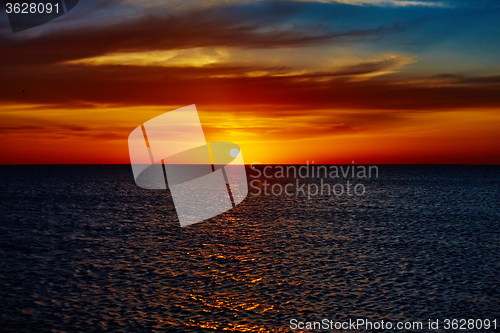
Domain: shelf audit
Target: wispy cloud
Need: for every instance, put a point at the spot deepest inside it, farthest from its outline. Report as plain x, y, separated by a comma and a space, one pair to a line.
211, 85
163, 29
403, 3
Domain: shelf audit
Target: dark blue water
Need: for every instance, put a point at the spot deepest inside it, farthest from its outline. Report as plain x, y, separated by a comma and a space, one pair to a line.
83, 249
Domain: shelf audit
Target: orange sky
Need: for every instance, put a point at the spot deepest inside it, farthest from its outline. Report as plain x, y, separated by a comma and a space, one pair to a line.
285, 93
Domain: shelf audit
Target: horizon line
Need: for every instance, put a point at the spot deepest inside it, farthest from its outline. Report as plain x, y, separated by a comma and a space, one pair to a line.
249, 164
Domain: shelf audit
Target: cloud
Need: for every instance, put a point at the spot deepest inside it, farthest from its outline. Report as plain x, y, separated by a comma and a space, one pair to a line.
62, 131
261, 62
76, 85
453, 79
364, 70
269, 26
403, 3
265, 53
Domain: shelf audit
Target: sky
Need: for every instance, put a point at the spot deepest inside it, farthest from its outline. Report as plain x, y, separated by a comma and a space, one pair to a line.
369, 81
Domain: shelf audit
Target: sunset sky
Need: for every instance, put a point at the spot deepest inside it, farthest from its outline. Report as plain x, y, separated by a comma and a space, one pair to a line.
370, 81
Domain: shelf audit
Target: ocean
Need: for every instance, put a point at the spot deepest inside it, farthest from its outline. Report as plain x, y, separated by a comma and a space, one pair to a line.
83, 249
